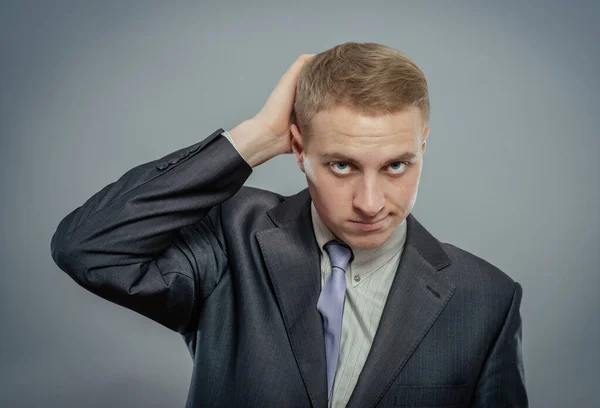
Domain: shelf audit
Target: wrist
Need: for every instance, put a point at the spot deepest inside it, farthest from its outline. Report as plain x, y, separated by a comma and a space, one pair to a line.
254, 141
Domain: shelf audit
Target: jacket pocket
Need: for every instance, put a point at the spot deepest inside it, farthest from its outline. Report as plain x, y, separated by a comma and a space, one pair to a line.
439, 396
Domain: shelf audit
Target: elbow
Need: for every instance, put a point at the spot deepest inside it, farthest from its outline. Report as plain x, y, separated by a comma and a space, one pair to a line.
68, 255
63, 251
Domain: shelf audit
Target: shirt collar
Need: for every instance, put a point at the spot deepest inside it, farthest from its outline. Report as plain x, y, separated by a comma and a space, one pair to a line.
368, 260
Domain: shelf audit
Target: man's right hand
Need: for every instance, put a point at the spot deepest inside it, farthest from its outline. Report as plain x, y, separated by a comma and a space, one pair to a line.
268, 133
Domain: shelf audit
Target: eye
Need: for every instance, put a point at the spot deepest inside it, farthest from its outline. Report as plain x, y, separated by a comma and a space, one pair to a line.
398, 167
340, 167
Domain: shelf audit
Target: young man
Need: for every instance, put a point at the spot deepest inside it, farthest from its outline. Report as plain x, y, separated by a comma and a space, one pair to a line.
336, 296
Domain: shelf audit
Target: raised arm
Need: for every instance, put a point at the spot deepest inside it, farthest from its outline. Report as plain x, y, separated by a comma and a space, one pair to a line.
127, 243
152, 241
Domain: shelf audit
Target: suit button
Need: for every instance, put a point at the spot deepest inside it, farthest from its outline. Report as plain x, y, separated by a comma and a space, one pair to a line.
183, 155
162, 166
174, 160
195, 147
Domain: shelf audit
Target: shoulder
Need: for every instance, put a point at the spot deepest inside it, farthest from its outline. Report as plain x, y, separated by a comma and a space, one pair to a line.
239, 215
462, 268
247, 209
252, 197
471, 265
478, 280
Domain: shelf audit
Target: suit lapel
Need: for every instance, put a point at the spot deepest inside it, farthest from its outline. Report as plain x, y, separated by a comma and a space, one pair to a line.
291, 255
417, 296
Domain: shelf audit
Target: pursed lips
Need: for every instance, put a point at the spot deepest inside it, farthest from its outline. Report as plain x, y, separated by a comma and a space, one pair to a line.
369, 222
373, 225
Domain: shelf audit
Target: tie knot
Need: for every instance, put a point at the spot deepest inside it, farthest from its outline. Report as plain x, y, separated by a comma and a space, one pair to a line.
340, 254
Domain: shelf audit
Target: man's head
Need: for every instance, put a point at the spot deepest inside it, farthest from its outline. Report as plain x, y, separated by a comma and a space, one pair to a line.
361, 112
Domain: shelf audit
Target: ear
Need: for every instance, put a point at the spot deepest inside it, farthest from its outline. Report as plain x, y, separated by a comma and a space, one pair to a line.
297, 145
424, 139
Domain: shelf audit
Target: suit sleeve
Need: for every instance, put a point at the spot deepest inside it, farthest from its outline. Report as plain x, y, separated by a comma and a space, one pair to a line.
152, 240
502, 381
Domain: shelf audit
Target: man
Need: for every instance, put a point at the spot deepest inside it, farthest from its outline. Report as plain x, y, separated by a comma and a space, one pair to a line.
336, 296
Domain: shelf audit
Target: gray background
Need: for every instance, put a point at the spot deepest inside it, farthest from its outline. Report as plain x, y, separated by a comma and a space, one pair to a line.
91, 89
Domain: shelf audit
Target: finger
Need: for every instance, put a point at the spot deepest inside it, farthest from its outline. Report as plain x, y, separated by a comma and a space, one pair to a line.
295, 68
289, 79
287, 82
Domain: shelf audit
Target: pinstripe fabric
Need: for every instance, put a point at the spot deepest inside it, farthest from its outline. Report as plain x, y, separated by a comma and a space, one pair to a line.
369, 278
172, 239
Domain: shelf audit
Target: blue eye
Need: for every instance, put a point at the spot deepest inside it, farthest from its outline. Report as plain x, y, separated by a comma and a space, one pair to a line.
340, 167
397, 167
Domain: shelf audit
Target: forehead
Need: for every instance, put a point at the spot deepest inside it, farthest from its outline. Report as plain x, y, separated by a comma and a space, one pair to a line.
344, 131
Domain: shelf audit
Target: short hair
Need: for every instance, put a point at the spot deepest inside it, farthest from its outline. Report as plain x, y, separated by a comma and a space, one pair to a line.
370, 78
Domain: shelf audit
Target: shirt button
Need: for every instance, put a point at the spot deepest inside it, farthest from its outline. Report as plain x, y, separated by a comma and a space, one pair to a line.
356, 278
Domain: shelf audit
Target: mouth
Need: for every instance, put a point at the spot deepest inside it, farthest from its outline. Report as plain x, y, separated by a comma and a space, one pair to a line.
371, 226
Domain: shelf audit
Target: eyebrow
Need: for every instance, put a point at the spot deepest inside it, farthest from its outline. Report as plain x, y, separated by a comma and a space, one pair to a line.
341, 157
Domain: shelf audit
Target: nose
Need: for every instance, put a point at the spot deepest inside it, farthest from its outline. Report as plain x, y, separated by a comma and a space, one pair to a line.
369, 198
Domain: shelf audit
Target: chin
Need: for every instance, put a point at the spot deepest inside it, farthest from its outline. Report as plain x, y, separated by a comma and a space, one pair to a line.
367, 241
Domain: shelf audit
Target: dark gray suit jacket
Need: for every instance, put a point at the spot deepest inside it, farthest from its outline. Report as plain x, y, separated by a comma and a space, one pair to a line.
236, 271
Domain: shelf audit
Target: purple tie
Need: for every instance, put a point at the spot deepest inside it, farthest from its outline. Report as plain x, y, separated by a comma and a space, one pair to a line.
331, 305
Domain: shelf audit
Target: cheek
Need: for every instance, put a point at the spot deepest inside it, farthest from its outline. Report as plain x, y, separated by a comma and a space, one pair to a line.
333, 194
330, 193
402, 191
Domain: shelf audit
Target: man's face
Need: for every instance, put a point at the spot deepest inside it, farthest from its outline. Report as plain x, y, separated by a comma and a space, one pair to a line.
362, 172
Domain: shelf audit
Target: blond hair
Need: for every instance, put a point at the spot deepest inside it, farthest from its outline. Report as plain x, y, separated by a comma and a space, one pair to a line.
370, 78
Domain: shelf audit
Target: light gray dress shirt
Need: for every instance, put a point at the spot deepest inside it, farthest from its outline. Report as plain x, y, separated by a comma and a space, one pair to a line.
368, 281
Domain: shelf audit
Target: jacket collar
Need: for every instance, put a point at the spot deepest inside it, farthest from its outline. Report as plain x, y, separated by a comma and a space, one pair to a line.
418, 294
